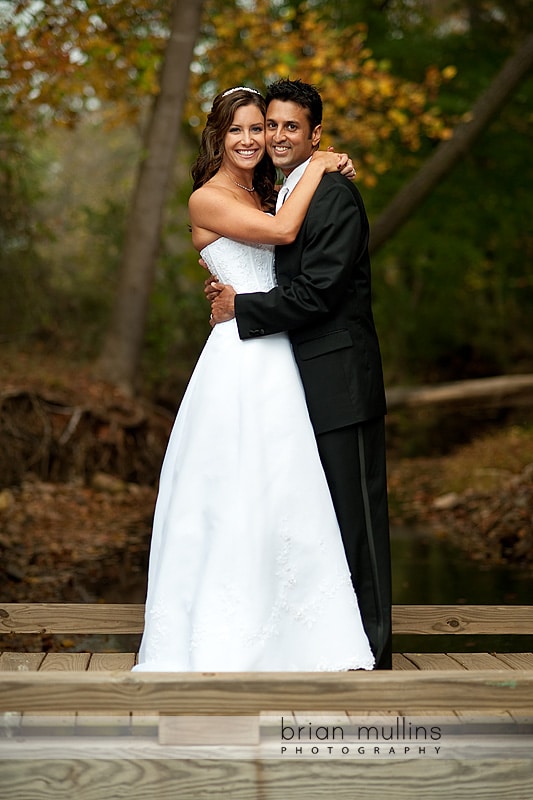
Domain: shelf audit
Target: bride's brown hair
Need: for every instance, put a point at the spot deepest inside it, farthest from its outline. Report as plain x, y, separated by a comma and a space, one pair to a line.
218, 123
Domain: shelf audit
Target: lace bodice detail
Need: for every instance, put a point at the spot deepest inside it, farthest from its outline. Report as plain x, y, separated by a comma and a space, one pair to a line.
246, 267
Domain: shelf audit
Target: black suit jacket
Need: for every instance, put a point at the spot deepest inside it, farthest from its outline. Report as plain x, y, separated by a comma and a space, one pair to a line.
323, 299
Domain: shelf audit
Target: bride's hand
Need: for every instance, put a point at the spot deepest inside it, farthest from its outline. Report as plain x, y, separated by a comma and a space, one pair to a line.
342, 164
209, 288
346, 165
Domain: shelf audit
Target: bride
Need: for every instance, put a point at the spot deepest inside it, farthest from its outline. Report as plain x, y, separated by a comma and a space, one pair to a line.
247, 567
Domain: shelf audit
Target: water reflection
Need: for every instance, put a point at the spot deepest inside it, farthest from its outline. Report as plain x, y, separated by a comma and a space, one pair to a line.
428, 570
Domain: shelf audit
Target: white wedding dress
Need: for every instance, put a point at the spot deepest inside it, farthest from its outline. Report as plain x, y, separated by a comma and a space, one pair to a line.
247, 568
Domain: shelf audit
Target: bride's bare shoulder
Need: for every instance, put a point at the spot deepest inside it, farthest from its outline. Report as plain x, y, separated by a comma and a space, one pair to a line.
203, 203
212, 186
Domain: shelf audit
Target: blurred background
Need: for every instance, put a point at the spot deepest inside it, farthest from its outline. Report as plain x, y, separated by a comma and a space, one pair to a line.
102, 103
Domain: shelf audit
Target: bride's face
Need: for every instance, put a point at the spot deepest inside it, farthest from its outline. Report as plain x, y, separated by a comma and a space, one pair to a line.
244, 143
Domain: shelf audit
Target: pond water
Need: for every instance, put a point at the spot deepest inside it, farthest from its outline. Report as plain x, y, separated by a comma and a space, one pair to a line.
428, 570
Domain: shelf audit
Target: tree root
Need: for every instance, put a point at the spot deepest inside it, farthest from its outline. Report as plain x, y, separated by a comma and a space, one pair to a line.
57, 442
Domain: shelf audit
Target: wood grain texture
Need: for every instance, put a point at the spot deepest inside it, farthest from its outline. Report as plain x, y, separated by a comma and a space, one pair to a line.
462, 619
251, 693
426, 661
517, 660
65, 662
469, 688
71, 618
152, 779
20, 662
399, 661
129, 618
109, 662
473, 661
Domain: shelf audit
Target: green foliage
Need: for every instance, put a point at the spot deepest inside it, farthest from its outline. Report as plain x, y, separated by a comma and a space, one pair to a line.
178, 315
177, 326
370, 107
23, 278
62, 58
454, 292
453, 289
85, 177
86, 292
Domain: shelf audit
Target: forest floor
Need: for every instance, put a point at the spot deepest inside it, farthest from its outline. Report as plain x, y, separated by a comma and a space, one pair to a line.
78, 475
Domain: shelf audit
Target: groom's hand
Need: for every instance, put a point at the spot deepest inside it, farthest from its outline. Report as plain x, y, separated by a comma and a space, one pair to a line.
223, 305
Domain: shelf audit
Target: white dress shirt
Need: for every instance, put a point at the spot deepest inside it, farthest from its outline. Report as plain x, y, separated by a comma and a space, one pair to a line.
290, 182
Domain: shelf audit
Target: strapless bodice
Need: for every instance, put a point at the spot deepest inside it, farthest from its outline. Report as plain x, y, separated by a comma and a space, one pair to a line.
246, 267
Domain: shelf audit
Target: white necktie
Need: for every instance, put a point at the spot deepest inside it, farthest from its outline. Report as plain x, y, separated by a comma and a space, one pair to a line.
282, 196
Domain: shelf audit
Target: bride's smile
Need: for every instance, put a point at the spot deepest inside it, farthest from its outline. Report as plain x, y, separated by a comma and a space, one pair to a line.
244, 143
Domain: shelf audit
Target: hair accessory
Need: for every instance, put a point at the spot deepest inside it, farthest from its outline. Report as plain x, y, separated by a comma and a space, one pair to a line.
239, 89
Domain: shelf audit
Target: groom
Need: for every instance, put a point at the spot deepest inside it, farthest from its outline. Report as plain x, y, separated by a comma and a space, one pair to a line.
323, 300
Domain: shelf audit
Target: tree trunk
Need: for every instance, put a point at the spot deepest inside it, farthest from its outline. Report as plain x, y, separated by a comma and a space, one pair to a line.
120, 355
449, 152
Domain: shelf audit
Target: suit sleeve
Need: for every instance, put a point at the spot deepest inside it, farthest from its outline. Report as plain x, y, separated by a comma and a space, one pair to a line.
334, 234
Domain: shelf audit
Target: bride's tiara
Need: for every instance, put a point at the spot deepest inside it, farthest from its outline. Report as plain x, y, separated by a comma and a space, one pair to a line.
239, 89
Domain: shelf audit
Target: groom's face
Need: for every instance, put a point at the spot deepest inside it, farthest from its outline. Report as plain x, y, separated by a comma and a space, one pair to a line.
290, 140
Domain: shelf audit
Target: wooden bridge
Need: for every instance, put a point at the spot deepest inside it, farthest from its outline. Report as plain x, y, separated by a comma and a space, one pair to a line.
81, 725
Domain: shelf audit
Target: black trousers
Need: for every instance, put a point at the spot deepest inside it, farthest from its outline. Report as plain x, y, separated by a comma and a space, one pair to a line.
354, 462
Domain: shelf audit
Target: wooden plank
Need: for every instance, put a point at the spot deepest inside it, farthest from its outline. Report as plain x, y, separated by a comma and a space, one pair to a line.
428, 717
373, 717
251, 693
71, 618
109, 662
129, 618
429, 661
142, 779
399, 661
517, 660
10, 725
20, 662
64, 723
103, 724
209, 730
401, 723
46, 724
65, 662
149, 778
473, 661
305, 717
332, 723
490, 716
270, 723
145, 724
462, 619
105, 662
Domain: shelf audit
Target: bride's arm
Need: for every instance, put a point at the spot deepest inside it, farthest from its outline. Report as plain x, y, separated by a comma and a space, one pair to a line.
213, 209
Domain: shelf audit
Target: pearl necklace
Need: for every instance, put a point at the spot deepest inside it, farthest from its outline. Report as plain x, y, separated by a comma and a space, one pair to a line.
240, 185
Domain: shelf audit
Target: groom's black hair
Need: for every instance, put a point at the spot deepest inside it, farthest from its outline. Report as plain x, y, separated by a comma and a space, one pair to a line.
303, 94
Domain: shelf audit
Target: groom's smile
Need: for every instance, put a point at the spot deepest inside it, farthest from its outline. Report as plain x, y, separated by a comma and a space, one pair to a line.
289, 138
